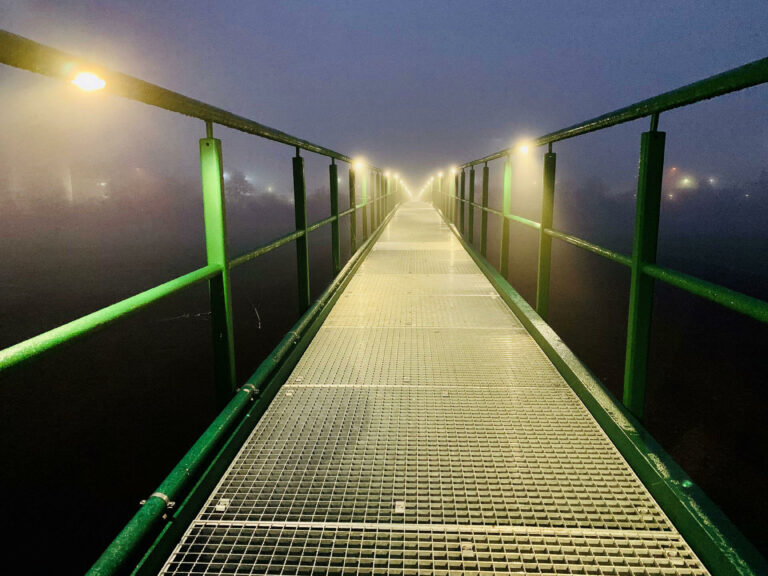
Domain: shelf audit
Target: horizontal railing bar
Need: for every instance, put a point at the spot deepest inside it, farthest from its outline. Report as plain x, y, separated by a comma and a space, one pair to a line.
27, 54
523, 221
733, 80
36, 345
513, 217
320, 223
233, 263
123, 547
261, 250
594, 248
747, 305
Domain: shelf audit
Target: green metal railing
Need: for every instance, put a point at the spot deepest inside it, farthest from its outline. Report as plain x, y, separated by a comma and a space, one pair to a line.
236, 402
720, 545
642, 261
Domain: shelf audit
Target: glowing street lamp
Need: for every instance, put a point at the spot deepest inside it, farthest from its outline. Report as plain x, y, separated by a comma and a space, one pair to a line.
88, 81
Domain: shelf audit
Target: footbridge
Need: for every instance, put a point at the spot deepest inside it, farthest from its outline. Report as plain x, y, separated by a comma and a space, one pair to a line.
421, 417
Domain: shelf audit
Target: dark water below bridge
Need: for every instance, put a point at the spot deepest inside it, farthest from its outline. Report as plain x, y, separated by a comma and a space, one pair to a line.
91, 429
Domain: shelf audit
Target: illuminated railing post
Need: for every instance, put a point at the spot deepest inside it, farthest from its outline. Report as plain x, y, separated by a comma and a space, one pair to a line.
440, 193
387, 189
455, 202
302, 243
506, 211
471, 211
484, 215
212, 177
333, 172
461, 202
353, 214
545, 241
379, 196
374, 200
643, 253
365, 203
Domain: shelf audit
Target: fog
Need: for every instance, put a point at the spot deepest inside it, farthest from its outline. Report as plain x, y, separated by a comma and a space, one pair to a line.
100, 199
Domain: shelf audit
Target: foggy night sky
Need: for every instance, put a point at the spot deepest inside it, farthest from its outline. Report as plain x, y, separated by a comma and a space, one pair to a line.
421, 85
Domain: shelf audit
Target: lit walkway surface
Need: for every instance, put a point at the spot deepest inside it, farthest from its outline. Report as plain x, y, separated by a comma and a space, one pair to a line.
424, 432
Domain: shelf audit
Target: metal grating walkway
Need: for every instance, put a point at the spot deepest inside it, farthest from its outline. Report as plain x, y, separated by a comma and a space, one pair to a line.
424, 432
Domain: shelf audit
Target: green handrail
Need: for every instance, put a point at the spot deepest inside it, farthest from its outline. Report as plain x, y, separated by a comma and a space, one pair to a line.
642, 262
26, 54
643, 257
733, 80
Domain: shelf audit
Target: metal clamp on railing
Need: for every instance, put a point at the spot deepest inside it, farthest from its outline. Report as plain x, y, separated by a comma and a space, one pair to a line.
169, 504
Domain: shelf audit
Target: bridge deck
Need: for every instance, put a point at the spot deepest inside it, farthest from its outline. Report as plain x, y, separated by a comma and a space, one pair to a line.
424, 432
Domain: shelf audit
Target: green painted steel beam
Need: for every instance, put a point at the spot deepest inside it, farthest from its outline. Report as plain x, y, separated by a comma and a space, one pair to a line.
471, 209
463, 179
733, 80
302, 243
641, 285
590, 247
507, 213
287, 238
543, 271
366, 202
353, 207
27, 54
747, 305
125, 548
484, 214
222, 328
69, 332
333, 175
716, 541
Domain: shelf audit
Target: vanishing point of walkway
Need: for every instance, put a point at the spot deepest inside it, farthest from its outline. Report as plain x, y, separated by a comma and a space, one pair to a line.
424, 432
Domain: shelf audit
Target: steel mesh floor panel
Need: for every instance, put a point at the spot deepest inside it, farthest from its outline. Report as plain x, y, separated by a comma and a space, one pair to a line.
525, 457
442, 246
419, 262
439, 310
212, 549
377, 286
424, 356
424, 432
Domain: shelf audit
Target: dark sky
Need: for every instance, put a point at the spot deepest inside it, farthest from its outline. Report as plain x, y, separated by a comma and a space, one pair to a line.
418, 85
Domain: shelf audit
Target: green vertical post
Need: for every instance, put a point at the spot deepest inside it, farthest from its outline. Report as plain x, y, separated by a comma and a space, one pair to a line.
374, 200
353, 215
643, 252
378, 199
384, 197
387, 197
440, 193
212, 177
333, 172
484, 215
506, 211
365, 205
302, 243
461, 202
545, 241
471, 210
455, 202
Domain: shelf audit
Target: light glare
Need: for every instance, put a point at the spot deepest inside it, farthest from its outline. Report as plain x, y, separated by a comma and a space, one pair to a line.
88, 81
